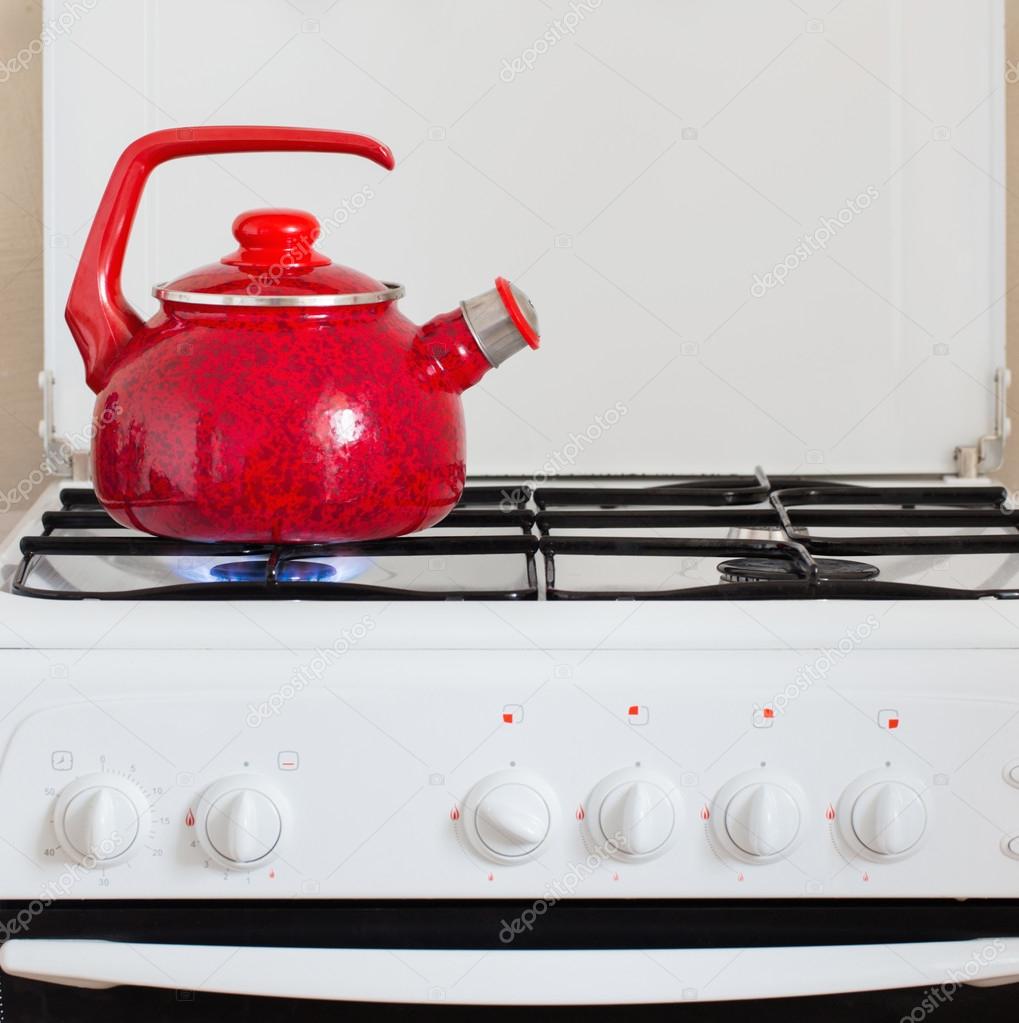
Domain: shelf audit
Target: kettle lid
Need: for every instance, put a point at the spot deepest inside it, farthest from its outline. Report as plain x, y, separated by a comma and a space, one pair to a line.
276, 264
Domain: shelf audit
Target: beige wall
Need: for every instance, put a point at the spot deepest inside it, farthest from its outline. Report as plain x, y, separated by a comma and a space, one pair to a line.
21, 246
23, 235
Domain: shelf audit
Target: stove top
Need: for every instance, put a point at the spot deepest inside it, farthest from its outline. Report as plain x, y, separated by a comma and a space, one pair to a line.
696, 538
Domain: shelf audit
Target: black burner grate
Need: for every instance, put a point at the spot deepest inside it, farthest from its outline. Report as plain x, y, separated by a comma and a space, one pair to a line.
788, 510
772, 545
504, 522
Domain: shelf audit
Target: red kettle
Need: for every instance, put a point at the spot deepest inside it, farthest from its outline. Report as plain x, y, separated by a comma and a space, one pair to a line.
275, 397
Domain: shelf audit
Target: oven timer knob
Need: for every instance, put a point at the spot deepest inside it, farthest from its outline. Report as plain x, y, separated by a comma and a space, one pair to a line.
98, 819
239, 823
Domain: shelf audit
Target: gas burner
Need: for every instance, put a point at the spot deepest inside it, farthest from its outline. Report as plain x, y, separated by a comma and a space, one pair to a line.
769, 570
289, 572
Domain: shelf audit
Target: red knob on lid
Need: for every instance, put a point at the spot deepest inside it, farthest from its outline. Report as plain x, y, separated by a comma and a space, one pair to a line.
276, 238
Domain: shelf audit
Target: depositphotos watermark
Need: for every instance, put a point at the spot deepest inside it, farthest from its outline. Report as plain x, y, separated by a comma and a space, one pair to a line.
56, 459
71, 13
308, 673
818, 670
816, 241
554, 32
59, 888
558, 888
566, 456
274, 273
936, 997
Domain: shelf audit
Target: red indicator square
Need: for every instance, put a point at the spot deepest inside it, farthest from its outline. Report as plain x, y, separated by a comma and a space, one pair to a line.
888, 719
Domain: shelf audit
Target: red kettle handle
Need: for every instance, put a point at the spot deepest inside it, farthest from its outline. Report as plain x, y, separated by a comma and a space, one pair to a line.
100, 318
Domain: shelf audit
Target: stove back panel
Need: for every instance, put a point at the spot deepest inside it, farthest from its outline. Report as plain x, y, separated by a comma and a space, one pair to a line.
754, 230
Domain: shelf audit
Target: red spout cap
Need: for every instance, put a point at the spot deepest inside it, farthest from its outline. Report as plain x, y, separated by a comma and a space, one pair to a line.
521, 312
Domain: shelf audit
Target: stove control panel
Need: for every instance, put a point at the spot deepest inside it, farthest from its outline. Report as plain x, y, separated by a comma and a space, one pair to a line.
404, 777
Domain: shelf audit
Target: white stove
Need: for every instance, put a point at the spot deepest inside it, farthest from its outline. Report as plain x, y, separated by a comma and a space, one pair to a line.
638, 722
674, 735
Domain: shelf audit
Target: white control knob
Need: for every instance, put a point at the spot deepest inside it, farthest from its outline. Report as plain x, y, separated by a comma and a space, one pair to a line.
889, 818
632, 814
512, 820
239, 823
756, 816
762, 820
507, 816
98, 818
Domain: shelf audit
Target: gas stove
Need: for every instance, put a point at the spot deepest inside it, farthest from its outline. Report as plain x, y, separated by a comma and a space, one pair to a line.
637, 722
643, 693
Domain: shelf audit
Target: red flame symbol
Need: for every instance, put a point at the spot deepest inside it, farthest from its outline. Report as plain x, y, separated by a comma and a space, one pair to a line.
866, 877
491, 877
454, 814
615, 876
705, 813
272, 873
580, 813
739, 876
829, 814
189, 820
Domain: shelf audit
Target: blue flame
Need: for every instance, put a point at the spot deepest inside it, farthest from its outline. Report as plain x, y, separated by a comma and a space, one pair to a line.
289, 572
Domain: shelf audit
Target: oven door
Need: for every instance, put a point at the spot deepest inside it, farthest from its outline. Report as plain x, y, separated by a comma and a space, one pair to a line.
225, 961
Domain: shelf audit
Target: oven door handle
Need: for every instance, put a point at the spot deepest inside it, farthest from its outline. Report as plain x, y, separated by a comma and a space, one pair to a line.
514, 976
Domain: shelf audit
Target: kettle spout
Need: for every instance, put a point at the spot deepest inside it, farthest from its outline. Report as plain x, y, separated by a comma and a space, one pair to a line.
462, 346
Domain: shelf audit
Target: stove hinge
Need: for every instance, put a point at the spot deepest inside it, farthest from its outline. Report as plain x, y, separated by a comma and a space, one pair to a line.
62, 456
988, 454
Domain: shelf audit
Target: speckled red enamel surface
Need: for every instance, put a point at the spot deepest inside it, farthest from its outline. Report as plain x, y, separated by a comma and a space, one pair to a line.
285, 425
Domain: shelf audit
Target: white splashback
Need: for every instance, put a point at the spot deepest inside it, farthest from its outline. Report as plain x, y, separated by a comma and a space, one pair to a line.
635, 179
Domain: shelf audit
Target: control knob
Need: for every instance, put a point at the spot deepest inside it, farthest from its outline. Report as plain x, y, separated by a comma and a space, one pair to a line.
507, 816
888, 819
762, 820
756, 817
632, 814
98, 818
239, 823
